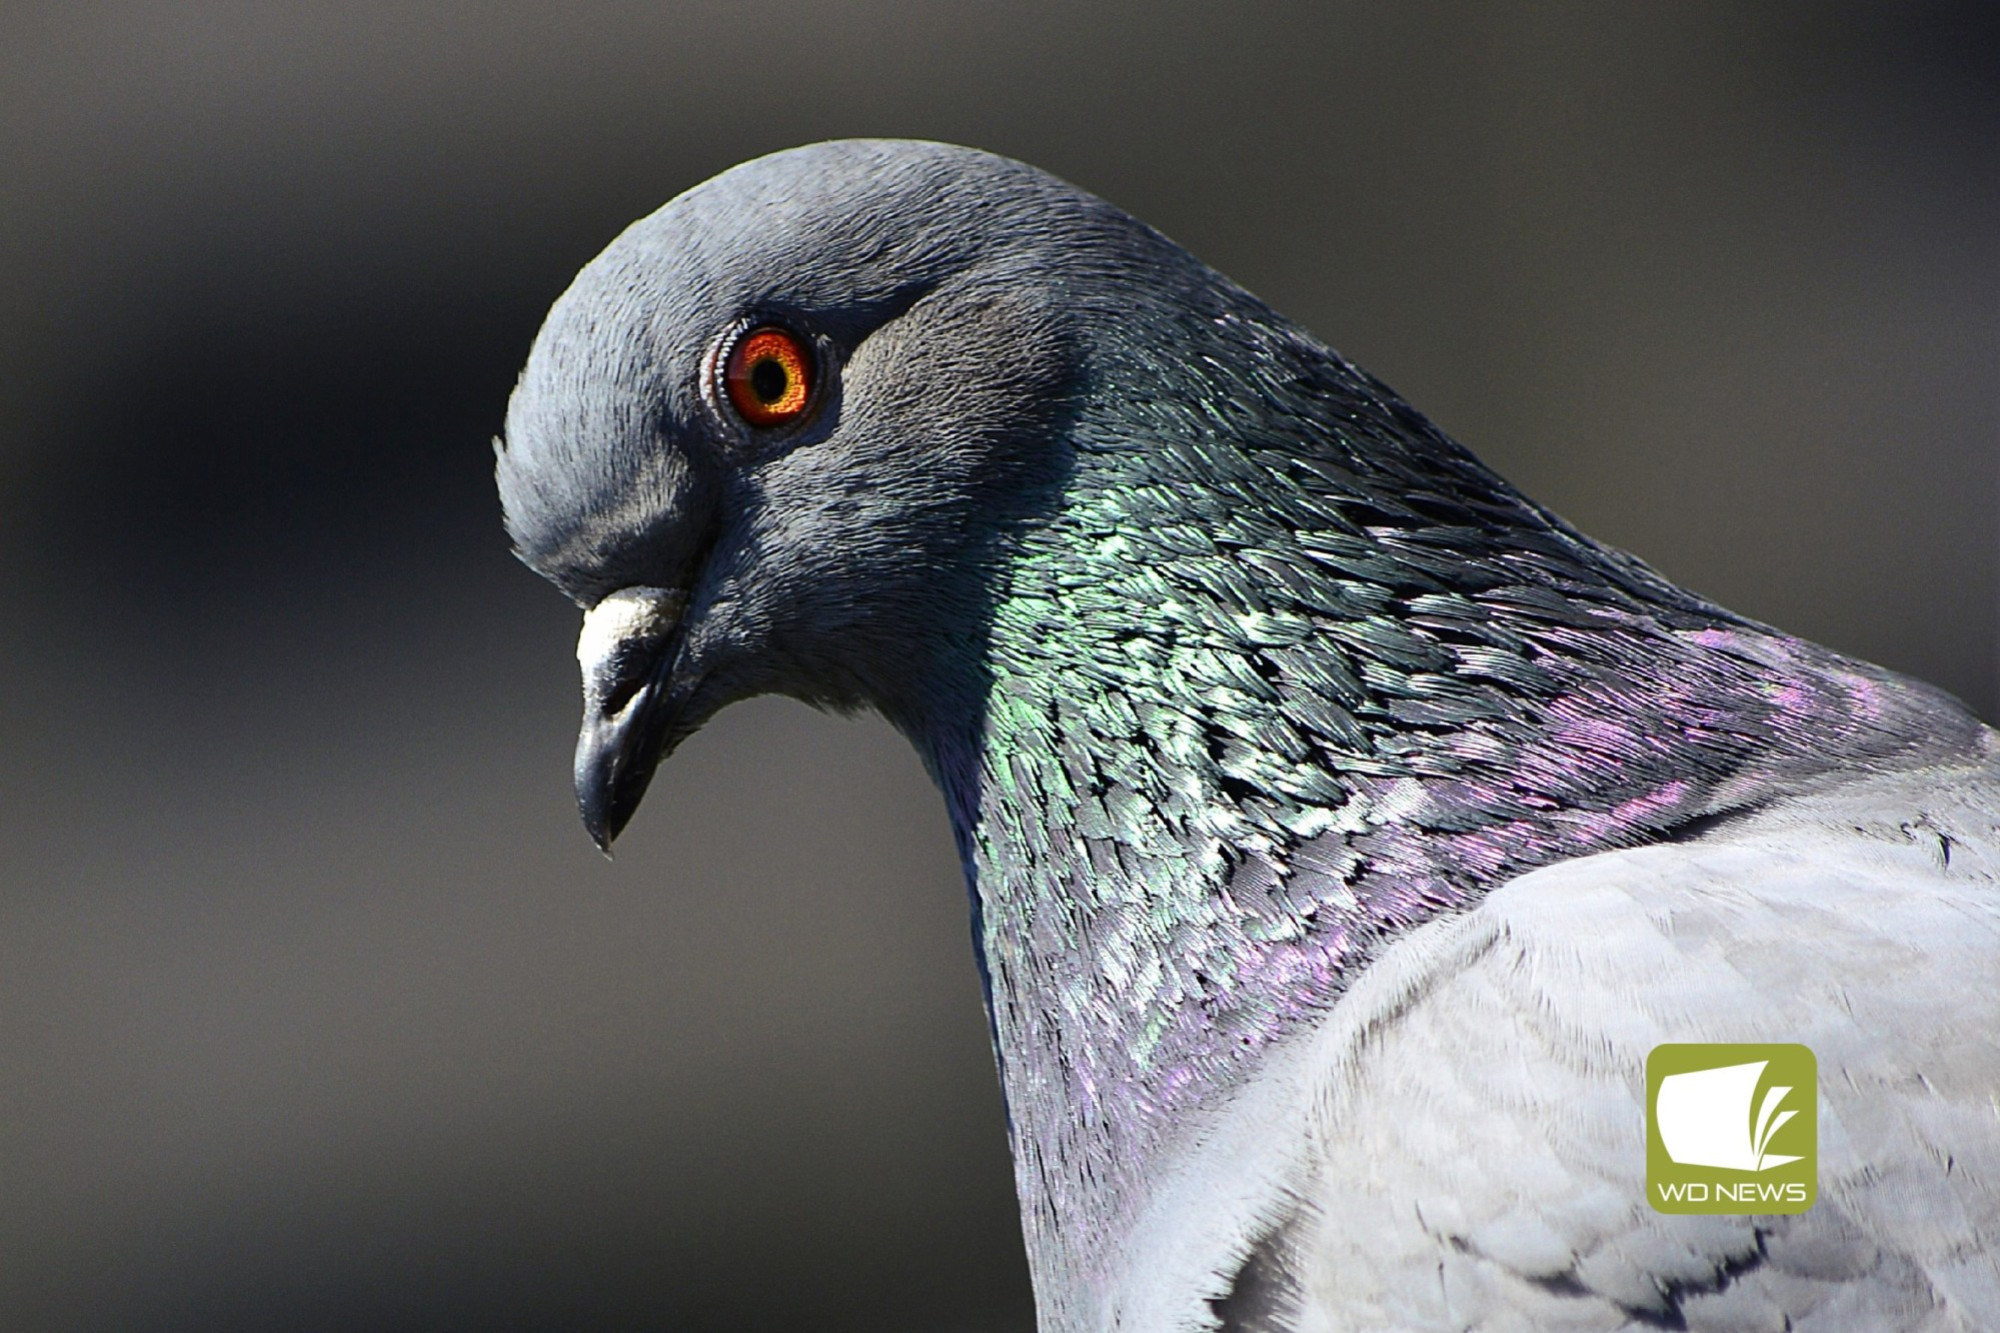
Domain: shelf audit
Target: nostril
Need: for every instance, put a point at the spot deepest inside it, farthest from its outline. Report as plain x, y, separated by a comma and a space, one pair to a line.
621, 643
630, 666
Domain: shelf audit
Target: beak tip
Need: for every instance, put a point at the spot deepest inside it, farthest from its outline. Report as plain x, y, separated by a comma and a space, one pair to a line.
606, 798
600, 820
593, 805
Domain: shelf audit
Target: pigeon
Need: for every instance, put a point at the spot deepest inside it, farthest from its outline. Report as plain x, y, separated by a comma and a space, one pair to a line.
1343, 829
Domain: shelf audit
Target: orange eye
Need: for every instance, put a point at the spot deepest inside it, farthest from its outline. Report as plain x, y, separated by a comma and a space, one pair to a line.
768, 376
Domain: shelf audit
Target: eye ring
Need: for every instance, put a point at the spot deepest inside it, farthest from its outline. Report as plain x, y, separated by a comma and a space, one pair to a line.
767, 376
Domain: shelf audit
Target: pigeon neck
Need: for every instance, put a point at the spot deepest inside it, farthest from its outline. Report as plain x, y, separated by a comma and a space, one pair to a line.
1246, 714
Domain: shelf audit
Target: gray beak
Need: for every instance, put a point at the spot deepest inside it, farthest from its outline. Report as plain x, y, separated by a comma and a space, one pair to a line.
626, 651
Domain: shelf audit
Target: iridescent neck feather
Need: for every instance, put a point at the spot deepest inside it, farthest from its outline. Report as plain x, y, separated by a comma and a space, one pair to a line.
1274, 686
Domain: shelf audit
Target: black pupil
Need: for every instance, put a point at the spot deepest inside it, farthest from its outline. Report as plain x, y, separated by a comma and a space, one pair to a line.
769, 379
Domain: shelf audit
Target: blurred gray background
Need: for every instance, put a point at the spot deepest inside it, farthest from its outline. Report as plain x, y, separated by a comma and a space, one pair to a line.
317, 1010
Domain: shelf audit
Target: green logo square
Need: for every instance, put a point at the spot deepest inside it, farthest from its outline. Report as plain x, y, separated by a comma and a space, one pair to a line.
1732, 1128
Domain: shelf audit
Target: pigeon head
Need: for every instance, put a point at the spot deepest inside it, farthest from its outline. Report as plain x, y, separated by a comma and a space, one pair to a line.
918, 428
773, 438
